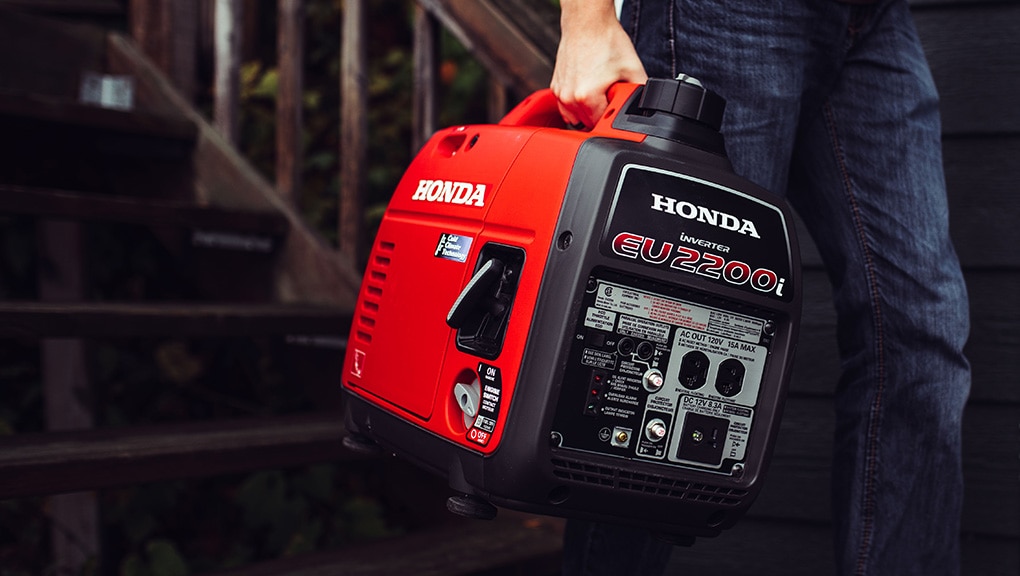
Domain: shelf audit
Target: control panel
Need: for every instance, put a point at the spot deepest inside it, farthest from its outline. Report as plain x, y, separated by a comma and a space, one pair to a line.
663, 374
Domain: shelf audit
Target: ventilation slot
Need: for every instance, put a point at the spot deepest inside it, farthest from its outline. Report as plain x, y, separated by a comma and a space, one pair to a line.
650, 484
375, 280
586, 473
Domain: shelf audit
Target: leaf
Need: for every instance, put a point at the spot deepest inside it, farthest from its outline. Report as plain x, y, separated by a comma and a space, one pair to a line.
177, 363
321, 161
305, 539
268, 84
133, 566
312, 99
165, 560
270, 507
364, 518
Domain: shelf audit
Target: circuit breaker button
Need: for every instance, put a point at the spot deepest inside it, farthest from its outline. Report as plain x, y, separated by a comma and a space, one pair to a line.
653, 380
655, 430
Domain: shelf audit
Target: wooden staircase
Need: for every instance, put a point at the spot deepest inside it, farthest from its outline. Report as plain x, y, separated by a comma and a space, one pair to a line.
238, 263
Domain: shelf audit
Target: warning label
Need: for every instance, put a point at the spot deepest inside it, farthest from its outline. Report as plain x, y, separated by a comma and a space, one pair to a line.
651, 307
735, 326
646, 329
598, 359
649, 315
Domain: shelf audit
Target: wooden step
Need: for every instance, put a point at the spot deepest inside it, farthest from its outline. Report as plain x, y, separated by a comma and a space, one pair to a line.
513, 544
70, 7
69, 205
32, 319
51, 110
55, 462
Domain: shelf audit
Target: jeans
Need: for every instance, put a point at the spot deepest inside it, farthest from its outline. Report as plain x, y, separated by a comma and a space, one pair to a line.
834, 106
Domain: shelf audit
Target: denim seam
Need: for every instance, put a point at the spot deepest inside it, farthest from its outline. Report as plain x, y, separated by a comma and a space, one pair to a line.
874, 415
634, 20
671, 7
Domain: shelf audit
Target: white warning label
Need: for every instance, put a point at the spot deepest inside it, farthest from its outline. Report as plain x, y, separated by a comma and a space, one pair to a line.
641, 328
598, 359
669, 312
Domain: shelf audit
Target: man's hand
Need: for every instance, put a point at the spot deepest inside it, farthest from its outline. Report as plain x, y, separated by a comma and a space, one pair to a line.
594, 53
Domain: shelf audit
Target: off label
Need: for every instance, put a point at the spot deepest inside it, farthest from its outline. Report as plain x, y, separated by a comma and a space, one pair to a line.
488, 410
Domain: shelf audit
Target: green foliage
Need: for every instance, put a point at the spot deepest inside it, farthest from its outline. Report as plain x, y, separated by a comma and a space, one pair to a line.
227, 522
389, 90
161, 558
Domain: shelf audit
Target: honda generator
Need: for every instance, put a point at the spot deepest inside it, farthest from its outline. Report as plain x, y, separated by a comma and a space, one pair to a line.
595, 324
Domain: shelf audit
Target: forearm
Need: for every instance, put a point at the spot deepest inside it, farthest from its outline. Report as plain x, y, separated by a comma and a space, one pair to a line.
579, 15
594, 52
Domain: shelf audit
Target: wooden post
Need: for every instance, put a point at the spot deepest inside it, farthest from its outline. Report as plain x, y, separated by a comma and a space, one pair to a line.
66, 394
497, 101
353, 127
426, 58
290, 62
167, 31
227, 66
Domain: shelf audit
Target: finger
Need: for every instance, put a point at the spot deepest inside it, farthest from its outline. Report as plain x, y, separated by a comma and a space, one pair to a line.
593, 108
568, 117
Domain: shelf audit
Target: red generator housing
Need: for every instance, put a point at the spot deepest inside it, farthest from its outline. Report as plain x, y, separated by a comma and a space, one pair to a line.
596, 324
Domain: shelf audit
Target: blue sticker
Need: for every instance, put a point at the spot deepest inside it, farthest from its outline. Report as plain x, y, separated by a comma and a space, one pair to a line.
453, 247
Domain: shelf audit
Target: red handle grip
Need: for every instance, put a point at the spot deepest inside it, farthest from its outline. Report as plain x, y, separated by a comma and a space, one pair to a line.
541, 108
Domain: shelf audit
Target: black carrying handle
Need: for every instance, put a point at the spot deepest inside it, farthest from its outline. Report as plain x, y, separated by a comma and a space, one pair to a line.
474, 293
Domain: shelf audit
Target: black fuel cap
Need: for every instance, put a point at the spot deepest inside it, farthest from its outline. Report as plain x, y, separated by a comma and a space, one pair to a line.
686, 97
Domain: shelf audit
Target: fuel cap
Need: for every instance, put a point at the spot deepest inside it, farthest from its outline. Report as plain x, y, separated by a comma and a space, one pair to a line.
686, 97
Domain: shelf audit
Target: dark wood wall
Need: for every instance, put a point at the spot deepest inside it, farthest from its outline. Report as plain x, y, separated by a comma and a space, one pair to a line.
974, 50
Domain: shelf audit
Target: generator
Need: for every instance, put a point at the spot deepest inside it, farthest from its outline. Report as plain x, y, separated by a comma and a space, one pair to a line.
596, 324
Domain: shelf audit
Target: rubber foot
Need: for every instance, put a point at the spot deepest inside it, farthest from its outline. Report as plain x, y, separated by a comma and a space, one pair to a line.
471, 507
362, 445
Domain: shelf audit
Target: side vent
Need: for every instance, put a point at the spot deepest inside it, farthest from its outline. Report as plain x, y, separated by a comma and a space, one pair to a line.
375, 282
586, 473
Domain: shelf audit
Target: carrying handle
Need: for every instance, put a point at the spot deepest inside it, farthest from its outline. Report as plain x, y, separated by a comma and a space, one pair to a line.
474, 295
541, 108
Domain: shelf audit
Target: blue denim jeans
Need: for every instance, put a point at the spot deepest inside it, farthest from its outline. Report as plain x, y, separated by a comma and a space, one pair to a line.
833, 105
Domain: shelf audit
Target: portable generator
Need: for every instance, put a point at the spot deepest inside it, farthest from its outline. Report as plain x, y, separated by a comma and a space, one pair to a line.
595, 324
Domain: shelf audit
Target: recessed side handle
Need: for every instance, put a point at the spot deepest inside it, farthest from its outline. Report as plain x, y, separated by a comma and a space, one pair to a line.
475, 294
